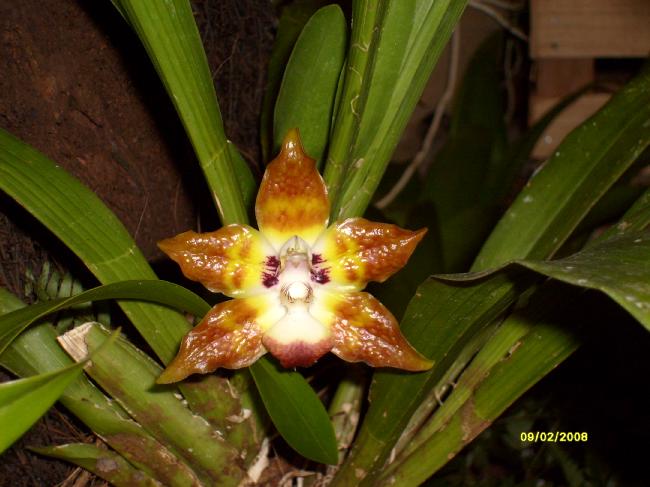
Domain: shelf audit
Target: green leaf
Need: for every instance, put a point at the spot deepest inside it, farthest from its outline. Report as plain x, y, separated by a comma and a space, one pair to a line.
466, 178
586, 164
619, 267
306, 96
528, 345
407, 38
366, 15
293, 18
23, 401
80, 219
440, 320
296, 411
170, 36
524, 349
129, 376
104, 463
36, 351
163, 292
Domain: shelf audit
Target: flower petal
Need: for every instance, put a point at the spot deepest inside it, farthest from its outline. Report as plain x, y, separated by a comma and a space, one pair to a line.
298, 339
229, 336
352, 253
293, 198
234, 260
365, 331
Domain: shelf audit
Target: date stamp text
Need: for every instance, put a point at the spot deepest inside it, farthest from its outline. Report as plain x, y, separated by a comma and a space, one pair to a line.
553, 436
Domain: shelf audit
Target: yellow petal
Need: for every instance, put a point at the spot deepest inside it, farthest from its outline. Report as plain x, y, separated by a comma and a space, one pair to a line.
352, 253
293, 198
365, 331
234, 260
229, 336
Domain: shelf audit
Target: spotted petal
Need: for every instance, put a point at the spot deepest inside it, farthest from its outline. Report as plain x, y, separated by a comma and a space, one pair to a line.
292, 199
229, 336
234, 260
365, 331
352, 253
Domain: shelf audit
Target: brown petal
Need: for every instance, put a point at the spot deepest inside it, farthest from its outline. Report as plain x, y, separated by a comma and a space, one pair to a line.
365, 331
356, 251
293, 198
229, 336
234, 260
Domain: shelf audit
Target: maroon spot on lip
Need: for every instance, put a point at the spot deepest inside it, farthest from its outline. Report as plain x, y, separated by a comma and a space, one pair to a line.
272, 262
270, 276
321, 276
269, 280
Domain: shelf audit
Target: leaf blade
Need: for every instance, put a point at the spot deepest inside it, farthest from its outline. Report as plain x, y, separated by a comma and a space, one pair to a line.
163, 292
306, 96
171, 38
296, 411
23, 401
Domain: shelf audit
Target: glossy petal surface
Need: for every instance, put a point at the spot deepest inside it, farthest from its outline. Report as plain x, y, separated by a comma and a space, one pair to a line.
229, 336
356, 251
365, 331
232, 260
293, 198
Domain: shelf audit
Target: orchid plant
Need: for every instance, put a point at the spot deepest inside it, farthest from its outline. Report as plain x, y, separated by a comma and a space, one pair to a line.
296, 282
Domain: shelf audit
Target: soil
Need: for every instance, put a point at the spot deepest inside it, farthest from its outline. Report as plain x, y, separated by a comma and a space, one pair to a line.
77, 85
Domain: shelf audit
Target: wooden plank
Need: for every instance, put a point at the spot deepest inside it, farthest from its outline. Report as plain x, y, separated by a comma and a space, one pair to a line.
589, 28
561, 77
570, 118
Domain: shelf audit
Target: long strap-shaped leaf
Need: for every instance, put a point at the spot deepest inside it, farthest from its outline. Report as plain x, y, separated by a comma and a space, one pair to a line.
80, 219
37, 351
170, 36
533, 341
473, 405
102, 462
407, 40
157, 408
23, 401
586, 164
440, 318
162, 292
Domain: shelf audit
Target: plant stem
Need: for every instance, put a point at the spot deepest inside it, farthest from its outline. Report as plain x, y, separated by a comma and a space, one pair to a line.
155, 407
104, 463
345, 408
36, 351
526, 348
387, 110
367, 15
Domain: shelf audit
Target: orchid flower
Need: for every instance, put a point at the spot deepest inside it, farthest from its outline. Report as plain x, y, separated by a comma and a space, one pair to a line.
296, 281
